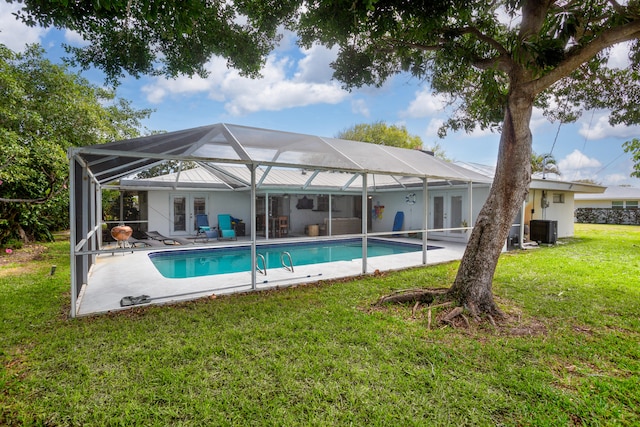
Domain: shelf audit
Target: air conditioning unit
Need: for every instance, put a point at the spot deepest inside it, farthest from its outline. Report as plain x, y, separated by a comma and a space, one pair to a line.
543, 231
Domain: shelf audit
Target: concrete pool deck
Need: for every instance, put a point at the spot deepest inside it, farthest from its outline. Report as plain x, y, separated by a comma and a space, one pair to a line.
124, 273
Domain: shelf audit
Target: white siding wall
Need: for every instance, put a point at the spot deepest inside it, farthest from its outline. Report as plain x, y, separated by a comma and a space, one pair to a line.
592, 203
159, 212
394, 202
413, 216
235, 204
561, 212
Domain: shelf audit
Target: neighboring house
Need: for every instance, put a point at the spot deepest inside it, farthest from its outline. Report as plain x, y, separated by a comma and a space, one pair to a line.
617, 205
612, 197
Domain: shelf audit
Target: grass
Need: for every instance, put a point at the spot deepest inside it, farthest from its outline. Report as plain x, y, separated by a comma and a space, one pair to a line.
318, 355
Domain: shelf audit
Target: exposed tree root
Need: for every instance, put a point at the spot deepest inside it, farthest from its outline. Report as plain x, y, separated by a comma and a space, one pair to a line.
466, 321
425, 296
493, 322
458, 316
415, 308
452, 314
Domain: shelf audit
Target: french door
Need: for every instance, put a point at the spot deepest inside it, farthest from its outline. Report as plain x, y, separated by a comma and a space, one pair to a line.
448, 210
184, 208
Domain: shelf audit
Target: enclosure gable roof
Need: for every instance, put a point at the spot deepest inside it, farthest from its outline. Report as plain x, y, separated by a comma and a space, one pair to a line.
233, 144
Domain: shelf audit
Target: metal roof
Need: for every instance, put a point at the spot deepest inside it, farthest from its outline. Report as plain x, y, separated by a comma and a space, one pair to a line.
613, 193
538, 182
217, 146
280, 179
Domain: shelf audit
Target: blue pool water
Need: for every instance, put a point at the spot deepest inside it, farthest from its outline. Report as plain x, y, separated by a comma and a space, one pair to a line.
210, 261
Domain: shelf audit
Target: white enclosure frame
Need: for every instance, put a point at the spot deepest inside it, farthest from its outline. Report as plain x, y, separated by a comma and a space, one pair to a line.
217, 145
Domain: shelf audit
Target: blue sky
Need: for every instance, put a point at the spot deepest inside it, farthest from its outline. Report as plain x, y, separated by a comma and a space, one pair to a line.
296, 94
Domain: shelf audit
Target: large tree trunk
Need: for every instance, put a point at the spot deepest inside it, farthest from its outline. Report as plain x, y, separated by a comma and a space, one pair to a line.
473, 285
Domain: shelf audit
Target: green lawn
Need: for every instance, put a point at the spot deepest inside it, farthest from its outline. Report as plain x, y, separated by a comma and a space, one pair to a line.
319, 355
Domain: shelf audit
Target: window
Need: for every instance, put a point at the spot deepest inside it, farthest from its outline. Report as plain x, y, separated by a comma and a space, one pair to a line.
617, 204
558, 197
631, 204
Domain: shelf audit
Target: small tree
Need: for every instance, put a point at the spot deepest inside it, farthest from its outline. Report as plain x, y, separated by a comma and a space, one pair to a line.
382, 134
544, 164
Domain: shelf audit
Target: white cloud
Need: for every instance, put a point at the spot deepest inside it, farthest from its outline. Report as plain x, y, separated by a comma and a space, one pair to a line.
619, 55
273, 91
425, 104
577, 166
577, 160
180, 86
288, 40
13, 33
432, 130
359, 106
615, 179
314, 67
537, 119
74, 38
602, 129
281, 95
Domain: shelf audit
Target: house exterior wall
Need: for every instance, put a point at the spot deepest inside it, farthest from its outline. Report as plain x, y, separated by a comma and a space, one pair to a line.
235, 204
394, 202
561, 211
413, 216
593, 204
159, 212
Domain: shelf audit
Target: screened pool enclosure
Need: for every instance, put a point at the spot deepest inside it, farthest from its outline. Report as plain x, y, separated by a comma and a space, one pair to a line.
250, 162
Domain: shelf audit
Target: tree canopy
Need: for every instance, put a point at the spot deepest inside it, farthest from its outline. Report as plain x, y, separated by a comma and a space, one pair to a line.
383, 134
44, 110
160, 37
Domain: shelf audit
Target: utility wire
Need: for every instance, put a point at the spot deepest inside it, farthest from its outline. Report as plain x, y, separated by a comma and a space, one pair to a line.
609, 164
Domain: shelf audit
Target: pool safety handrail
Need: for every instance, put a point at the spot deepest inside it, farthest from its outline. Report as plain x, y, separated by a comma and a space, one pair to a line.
282, 259
262, 271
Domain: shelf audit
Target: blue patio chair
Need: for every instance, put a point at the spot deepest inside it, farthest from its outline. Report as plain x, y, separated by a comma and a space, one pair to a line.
202, 224
225, 229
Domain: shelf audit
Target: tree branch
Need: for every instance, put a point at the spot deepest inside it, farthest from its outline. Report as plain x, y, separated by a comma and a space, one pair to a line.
502, 52
583, 54
502, 62
40, 200
616, 6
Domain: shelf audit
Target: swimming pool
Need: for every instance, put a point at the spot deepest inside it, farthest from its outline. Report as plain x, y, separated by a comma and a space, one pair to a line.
210, 261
